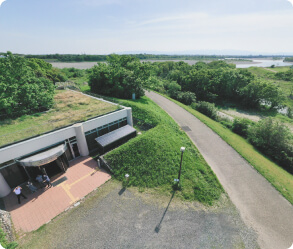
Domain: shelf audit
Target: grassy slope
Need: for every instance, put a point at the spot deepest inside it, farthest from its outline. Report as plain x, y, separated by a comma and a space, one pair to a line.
152, 159
278, 177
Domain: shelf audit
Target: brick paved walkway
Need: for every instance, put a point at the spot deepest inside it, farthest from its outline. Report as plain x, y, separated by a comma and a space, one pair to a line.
40, 207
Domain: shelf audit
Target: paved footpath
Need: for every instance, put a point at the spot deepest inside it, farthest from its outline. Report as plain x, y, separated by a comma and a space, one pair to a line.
260, 205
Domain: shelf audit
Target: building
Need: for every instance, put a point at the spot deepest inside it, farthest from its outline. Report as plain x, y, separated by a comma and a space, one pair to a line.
51, 152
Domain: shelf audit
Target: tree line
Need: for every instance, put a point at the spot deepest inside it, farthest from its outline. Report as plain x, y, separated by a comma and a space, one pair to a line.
213, 82
86, 57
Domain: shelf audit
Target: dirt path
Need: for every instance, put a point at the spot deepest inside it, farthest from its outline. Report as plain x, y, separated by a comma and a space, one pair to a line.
260, 205
270, 70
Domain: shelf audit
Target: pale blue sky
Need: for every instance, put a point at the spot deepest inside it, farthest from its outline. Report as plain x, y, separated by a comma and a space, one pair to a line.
107, 26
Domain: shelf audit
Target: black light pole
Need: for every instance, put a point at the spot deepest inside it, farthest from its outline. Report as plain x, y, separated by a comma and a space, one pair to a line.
182, 149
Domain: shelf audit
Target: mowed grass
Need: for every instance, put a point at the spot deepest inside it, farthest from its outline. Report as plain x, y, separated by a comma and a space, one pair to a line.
278, 177
152, 159
70, 107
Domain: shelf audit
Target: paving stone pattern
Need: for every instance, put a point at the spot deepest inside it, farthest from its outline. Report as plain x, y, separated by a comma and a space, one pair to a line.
83, 176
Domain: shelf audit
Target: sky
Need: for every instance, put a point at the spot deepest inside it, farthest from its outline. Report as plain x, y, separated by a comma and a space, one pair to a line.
150, 26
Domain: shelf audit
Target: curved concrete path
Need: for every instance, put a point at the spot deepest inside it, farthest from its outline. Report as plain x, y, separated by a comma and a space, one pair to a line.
260, 205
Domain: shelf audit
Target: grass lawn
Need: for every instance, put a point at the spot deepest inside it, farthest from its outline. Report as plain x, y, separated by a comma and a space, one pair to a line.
278, 177
70, 107
152, 159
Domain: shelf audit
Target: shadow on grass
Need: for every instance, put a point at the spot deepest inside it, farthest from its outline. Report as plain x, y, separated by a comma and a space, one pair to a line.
158, 227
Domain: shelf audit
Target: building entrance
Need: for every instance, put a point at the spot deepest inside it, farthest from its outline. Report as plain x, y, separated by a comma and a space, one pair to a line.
50, 162
60, 165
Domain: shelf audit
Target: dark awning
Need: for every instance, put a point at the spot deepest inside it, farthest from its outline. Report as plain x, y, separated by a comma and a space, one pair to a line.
44, 157
115, 135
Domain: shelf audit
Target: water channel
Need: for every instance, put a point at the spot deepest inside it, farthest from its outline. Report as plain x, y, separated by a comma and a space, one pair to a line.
263, 63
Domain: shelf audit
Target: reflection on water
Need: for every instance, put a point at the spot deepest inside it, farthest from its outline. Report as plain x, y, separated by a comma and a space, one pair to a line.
264, 63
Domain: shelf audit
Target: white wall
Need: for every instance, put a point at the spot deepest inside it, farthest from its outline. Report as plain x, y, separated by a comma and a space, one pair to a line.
29, 146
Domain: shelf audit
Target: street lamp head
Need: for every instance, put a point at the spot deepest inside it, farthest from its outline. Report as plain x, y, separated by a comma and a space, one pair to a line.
182, 149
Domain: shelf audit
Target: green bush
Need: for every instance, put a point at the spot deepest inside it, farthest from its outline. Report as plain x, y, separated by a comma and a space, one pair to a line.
173, 89
241, 125
227, 123
186, 97
287, 75
273, 139
73, 72
207, 109
4, 243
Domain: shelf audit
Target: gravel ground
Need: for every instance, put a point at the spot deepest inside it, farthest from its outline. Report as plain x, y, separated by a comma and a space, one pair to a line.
114, 218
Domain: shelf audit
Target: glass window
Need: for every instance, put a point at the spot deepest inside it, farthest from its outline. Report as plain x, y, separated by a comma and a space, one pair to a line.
14, 175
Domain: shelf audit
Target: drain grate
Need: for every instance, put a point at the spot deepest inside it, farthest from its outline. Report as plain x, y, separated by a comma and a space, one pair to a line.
63, 179
185, 128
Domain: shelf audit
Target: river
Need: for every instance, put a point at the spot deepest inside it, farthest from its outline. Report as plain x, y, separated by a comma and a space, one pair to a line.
239, 64
263, 63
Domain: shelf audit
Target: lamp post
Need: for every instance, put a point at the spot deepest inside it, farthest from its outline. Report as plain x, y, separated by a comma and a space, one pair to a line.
182, 149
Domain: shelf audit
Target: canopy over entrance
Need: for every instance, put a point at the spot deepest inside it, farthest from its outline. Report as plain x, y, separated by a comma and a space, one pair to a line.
44, 157
115, 135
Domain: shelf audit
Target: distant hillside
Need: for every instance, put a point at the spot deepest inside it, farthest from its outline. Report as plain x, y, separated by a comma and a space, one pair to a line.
288, 59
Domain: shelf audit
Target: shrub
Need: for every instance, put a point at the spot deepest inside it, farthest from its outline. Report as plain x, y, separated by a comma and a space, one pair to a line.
173, 89
226, 122
4, 242
275, 140
241, 125
187, 97
287, 76
207, 108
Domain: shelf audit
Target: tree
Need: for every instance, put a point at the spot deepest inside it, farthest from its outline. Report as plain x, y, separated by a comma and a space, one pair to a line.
272, 95
173, 89
186, 97
120, 77
252, 94
22, 88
